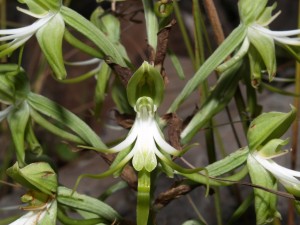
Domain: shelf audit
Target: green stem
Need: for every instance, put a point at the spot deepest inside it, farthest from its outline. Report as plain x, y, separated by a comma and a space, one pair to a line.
143, 197
184, 33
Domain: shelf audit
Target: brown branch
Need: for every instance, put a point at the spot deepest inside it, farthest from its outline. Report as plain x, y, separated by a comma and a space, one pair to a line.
214, 20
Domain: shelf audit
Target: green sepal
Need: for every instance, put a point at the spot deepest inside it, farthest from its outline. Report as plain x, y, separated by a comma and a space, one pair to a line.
107, 23
120, 156
143, 197
256, 66
268, 126
42, 6
32, 141
50, 38
86, 203
17, 121
265, 202
273, 148
119, 97
37, 176
250, 10
14, 84
265, 46
146, 81
266, 16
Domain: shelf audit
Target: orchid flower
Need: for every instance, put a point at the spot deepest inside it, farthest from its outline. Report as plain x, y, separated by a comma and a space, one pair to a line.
19, 36
146, 138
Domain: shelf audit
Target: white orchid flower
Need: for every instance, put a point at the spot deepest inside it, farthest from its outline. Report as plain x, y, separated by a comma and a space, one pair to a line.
19, 36
39, 215
284, 175
146, 137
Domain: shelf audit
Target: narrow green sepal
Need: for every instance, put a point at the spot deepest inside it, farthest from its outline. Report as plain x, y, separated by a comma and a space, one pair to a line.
42, 6
17, 121
146, 81
268, 126
50, 38
273, 148
37, 176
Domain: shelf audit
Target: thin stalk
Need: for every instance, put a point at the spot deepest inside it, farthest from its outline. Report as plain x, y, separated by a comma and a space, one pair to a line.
184, 33
3, 22
196, 210
295, 129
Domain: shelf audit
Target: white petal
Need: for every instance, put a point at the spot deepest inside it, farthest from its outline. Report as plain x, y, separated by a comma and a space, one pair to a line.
287, 40
26, 30
131, 137
276, 33
277, 171
163, 144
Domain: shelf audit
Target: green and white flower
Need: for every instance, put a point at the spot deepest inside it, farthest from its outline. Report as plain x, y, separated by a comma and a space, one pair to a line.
146, 137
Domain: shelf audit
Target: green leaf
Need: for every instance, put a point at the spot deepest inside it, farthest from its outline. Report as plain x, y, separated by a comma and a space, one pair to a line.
265, 202
227, 47
17, 121
86, 203
216, 101
229, 163
143, 197
256, 66
50, 38
65, 118
100, 91
37, 176
268, 126
151, 23
89, 30
145, 82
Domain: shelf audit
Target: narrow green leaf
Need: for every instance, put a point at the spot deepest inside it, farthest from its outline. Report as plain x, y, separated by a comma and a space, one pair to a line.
86, 203
82, 46
151, 23
216, 101
229, 163
65, 118
88, 29
279, 90
50, 38
100, 91
112, 189
17, 120
176, 63
219, 55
